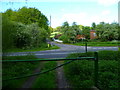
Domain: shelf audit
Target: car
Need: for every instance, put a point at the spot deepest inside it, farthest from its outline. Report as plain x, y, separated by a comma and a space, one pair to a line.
56, 40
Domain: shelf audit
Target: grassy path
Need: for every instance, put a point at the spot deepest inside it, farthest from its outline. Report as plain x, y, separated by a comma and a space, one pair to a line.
30, 81
61, 80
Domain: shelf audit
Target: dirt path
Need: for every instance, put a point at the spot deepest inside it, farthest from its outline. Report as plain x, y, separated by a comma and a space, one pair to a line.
61, 80
30, 81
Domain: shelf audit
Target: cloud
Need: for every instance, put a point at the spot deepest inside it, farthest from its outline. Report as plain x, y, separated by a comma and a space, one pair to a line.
76, 17
70, 18
84, 18
107, 2
106, 12
103, 16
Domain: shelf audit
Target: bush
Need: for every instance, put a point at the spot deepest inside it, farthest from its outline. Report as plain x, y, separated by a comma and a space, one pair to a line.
18, 35
109, 55
64, 38
102, 55
78, 69
81, 73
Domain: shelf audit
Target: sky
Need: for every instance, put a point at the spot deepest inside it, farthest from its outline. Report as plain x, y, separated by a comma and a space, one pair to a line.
83, 12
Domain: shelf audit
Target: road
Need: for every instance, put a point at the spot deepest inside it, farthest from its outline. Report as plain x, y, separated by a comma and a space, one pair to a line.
62, 52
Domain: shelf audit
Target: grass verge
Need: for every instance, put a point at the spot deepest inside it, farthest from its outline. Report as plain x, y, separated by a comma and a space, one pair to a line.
34, 49
97, 44
80, 74
16, 69
47, 80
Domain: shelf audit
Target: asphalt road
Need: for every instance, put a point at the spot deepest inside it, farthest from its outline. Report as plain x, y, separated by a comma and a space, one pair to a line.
62, 52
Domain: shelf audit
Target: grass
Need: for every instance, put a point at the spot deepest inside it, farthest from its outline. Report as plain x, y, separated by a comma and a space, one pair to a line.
103, 55
16, 69
47, 80
30, 50
97, 44
80, 74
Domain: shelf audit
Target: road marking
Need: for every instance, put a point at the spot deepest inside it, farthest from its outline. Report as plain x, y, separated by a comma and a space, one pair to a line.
114, 47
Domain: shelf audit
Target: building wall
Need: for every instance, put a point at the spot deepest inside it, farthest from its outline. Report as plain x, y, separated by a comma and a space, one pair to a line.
93, 34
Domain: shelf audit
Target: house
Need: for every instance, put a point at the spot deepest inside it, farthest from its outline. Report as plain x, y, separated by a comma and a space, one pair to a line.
93, 34
80, 37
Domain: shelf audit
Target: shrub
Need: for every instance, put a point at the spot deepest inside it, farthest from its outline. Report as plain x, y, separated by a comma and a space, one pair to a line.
109, 55
78, 69
64, 38
81, 73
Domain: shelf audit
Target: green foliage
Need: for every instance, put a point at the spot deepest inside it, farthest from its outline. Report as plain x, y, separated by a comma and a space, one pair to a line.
43, 47
86, 31
37, 35
70, 32
108, 74
109, 55
64, 38
7, 32
46, 80
81, 73
26, 28
106, 31
93, 25
14, 69
11, 14
103, 55
28, 16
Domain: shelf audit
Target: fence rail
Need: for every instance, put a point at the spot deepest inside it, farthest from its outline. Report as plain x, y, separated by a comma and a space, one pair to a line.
38, 60
95, 59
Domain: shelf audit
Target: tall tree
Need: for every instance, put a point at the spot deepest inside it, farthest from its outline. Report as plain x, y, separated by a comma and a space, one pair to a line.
65, 27
93, 25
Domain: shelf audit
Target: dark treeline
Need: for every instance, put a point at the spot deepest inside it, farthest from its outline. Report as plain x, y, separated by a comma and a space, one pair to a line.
25, 28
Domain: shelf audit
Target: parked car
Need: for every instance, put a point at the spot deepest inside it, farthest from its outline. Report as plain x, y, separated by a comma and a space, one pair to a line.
56, 40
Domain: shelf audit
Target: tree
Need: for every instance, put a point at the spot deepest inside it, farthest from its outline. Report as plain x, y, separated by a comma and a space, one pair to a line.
28, 16
86, 31
70, 32
93, 25
11, 15
26, 28
106, 31
7, 31
65, 27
